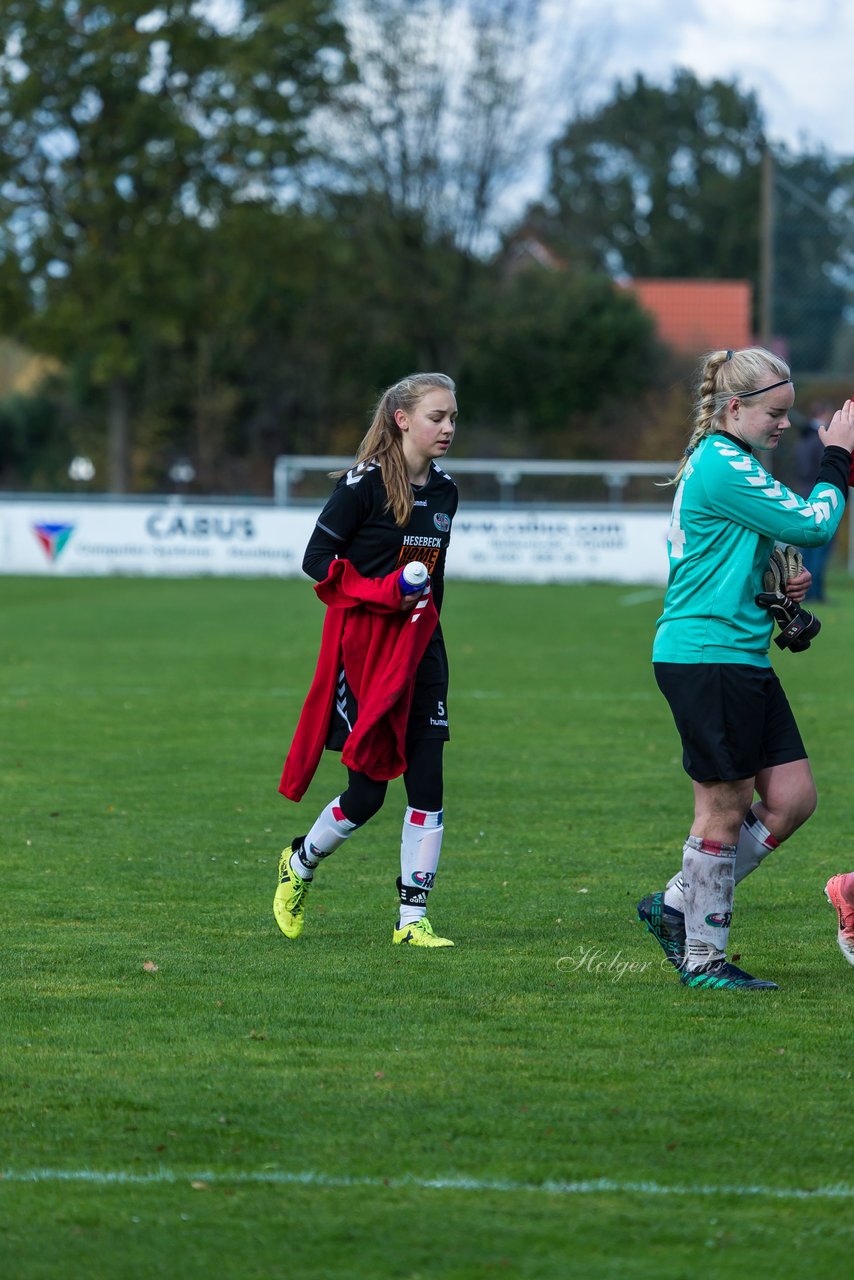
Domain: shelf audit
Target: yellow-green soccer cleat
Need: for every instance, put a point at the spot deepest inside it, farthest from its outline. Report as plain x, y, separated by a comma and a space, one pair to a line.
419, 934
289, 902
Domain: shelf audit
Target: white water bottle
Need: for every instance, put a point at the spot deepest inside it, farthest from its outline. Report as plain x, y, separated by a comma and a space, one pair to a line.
413, 578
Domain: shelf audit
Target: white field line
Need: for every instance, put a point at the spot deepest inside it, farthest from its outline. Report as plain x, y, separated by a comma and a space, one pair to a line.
642, 597
275, 1177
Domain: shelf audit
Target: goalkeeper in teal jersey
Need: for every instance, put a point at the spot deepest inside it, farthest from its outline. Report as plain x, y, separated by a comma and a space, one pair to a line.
753, 786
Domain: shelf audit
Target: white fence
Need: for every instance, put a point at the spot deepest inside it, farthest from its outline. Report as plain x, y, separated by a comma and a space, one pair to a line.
597, 540
602, 481
602, 538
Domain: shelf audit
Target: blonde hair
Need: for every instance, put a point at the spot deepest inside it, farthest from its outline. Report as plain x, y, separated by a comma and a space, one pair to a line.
383, 443
724, 375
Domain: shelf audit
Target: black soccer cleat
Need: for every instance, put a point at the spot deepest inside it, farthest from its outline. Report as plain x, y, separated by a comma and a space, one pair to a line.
720, 975
667, 926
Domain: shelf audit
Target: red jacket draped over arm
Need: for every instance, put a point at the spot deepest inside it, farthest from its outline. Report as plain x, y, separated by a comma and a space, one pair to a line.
379, 647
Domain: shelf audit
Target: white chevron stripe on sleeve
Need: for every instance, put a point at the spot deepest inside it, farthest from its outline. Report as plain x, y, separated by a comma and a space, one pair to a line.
355, 474
833, 494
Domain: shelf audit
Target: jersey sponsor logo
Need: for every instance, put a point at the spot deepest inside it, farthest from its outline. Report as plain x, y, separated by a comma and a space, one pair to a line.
442, 521
427, 555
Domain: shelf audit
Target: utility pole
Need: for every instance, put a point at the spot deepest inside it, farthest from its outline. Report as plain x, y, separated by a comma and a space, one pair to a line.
766, 248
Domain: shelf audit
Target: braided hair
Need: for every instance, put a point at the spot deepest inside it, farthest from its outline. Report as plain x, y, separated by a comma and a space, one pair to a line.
724, 375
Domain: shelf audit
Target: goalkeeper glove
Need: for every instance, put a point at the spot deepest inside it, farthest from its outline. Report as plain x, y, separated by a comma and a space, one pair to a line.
797, 626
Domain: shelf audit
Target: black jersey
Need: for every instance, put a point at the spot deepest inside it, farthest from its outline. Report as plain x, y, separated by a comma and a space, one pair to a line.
355, 525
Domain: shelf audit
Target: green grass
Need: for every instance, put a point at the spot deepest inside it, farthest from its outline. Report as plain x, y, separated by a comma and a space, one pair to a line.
313, 1090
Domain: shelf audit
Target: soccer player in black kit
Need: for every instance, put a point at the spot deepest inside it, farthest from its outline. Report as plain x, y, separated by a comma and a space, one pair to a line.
395, 505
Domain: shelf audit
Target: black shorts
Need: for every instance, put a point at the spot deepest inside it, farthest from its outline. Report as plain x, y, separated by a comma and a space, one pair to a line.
734, 720
428, 714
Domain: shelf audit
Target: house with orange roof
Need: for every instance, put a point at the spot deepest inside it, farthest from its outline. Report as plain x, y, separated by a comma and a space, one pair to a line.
697, 315
691, 315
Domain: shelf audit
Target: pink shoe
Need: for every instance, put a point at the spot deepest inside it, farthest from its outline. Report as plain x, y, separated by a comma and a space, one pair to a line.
845, 912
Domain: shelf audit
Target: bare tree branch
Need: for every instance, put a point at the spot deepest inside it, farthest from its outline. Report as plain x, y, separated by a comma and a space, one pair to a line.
453, 100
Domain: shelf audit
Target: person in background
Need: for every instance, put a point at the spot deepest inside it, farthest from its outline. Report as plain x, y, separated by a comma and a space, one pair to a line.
839, 892
380, 693
739, 736
809, 453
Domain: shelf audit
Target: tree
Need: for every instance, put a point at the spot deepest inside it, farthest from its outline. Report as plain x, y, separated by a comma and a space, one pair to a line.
665, 181
439, 122
126, 131
560, 354
813, 258
660, 181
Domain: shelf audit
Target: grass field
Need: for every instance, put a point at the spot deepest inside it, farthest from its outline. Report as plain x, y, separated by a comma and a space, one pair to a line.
543, 1101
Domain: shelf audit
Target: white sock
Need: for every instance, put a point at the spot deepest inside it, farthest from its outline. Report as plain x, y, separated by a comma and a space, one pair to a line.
708, 883
328, 833
698, 953
674, 894
755, 842
420, 846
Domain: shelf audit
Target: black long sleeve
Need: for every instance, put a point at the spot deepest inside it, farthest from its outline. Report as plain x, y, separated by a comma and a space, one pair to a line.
323, 547
835, 468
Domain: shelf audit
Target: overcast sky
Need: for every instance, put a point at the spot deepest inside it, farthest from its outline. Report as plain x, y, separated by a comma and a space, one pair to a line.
797, 56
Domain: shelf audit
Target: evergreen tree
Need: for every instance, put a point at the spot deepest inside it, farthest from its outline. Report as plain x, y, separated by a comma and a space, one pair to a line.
126, 131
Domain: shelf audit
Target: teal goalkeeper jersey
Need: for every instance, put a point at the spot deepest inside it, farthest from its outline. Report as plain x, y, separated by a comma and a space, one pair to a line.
727, 514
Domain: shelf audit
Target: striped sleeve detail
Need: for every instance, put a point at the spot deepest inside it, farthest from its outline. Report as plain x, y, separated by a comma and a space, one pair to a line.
436, 467
331, 532
355, 474
819, 507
